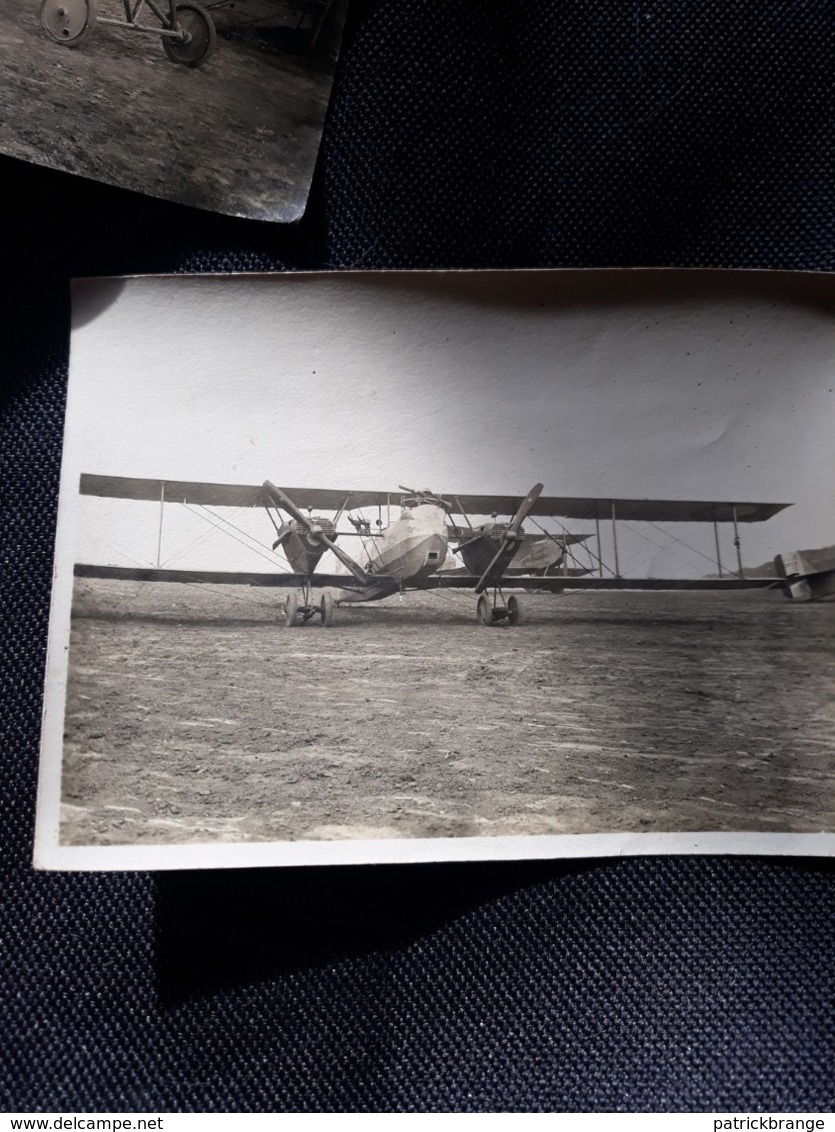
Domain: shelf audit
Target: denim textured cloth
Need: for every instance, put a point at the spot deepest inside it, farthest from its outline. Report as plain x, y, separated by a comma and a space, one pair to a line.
461, 134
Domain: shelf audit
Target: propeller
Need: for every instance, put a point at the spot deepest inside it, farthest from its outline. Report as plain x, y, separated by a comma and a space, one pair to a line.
315, 532
509, 542
284, 530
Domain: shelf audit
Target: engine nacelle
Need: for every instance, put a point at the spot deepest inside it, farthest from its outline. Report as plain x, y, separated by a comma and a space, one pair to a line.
477, 551
302, 543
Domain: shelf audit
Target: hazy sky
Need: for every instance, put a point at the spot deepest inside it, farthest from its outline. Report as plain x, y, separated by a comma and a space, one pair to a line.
631, 384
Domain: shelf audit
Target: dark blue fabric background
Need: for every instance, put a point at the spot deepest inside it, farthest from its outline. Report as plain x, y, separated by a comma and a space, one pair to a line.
462, 133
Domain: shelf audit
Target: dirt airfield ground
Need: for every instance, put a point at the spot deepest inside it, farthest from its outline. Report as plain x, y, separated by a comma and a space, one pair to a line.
193, 716
239, 135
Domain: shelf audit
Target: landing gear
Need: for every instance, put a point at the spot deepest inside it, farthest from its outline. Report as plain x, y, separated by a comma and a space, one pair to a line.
197, 38
188, 31
495, 610
298, 609
326, 609
69, 21
291, 610
484, 611
515, 610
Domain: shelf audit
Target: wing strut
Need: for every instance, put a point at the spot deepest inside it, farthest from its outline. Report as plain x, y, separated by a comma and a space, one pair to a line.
615, 538
737, 544
716, 541
463, 512
159, 532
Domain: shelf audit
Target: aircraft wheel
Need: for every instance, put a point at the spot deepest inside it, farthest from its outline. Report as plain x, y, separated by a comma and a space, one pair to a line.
69, 21
327, 608
291, 610
515, 610
200, 36
484, 611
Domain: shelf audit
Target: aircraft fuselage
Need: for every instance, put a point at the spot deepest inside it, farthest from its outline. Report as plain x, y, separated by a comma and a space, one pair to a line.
410, 550
414, 546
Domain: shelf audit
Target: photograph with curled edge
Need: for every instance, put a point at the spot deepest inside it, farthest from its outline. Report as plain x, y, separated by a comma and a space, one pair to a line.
434, 566
218, 104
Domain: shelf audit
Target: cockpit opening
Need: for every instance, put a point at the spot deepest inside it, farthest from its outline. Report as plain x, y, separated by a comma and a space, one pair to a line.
420, 498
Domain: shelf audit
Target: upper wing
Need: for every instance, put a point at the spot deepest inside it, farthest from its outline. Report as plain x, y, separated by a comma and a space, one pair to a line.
228, 494
332, 499
172, 491
647, 510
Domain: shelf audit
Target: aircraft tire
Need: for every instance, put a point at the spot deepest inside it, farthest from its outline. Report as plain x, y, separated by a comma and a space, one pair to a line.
291, 610
69, 22
515, 610
484, 611
202, 36
326, 607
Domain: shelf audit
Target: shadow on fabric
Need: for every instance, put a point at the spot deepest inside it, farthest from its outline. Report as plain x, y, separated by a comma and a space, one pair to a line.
242, 925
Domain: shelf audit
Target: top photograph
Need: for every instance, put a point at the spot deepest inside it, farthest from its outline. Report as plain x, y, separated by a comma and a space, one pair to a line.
218, 105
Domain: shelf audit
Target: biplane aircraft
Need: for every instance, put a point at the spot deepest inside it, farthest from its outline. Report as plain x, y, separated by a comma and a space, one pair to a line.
409, 550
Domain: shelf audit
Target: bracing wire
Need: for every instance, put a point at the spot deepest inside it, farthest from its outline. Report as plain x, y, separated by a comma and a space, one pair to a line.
444, 595
595, 558
261, 546
675, 538
257, 549
123, 554
574, 558
201, 538
245, 600
661, 546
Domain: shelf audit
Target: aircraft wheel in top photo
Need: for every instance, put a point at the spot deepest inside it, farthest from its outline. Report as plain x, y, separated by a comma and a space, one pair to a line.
515, 610
291, 610
199, 36
69, 21
484, 611
326, 607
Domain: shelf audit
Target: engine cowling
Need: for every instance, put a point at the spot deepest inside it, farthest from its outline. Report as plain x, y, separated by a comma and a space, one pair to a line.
302, 542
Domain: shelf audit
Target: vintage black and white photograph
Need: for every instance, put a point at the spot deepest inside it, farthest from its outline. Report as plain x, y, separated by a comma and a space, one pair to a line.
218, 104
376, 567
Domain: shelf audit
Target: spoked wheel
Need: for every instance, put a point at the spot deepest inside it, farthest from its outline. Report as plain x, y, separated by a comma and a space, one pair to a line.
515, 610
291, 610
484, 611
68, 21
326, 608
198, 36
